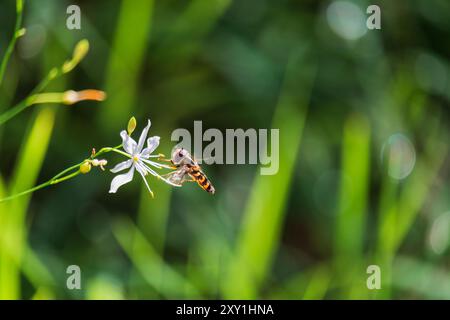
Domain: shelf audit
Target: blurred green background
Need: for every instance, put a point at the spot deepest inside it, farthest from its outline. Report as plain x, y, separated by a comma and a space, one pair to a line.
364, 160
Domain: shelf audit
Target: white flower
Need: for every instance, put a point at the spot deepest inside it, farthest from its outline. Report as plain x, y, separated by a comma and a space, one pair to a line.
139, 160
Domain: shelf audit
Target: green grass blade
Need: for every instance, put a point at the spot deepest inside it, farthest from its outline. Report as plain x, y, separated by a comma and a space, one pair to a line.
24, 177
417, 189
398, 212
318, 284
131, 37
149, 263
12, 43
353, 193
263, 216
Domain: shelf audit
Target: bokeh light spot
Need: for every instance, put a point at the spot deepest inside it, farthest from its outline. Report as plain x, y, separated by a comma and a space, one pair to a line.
33, 41
346, 19
438, 236
399, 155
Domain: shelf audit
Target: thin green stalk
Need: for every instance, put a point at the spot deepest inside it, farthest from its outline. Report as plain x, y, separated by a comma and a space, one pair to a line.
72, 175
10, 113
65, 174
29, 101
76, 166
12, 43
50, 182
108, 149
79, 53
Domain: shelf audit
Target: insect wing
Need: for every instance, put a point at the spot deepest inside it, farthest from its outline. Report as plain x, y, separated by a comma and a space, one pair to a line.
177, 177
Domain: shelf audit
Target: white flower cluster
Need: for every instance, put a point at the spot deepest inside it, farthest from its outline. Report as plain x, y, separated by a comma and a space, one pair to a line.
139, 160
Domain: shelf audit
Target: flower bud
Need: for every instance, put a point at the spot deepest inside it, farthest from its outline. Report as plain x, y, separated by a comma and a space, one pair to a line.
80, 51
20, 32
131, 125
71, 97
85, 167
99, 163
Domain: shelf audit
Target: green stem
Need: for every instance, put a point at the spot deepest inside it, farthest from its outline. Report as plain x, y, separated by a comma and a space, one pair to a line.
12, 43
109, 149
62, 173
10, 113
30, 100
50, 182
65, 174
38, 187
73, 174
80, 51
121, 152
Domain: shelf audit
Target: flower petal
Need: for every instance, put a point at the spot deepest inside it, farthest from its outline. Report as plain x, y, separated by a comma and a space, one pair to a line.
143, 137
128, 143
152, 144
120, 180
122, 166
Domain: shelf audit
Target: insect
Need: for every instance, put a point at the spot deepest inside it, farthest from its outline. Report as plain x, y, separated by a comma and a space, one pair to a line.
188, 169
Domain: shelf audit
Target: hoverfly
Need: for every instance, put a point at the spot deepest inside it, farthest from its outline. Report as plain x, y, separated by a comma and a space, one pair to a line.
188, 169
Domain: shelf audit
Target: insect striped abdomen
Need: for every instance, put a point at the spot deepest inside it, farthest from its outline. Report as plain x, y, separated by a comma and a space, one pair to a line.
202, 180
